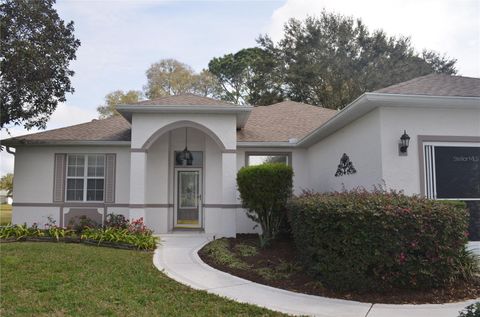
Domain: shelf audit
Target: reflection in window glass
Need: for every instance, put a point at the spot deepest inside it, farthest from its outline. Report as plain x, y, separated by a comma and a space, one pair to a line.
254, 159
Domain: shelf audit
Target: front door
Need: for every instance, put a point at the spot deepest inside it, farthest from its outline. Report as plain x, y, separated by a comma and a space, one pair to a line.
188, 197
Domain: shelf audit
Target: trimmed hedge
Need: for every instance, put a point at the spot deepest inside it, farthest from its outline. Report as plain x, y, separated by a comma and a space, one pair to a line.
363, 240
264, 190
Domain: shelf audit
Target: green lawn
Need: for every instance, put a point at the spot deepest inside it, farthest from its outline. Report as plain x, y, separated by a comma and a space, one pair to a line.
5, 214
57, 279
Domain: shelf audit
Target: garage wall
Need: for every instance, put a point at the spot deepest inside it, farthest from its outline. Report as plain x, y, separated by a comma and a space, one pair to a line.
403, 172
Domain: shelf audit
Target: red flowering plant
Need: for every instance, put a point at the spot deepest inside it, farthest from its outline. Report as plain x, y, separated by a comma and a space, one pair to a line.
138, 226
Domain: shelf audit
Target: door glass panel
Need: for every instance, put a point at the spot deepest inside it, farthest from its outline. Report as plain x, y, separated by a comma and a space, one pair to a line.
457, 172
188, 197
188, 191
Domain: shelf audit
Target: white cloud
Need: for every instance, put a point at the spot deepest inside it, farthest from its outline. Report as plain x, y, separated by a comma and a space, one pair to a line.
63, 116
447, 26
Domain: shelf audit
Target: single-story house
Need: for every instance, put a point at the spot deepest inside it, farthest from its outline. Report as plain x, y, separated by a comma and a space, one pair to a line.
173, 160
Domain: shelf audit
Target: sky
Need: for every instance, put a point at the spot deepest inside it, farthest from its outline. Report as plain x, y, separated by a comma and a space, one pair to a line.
120, 39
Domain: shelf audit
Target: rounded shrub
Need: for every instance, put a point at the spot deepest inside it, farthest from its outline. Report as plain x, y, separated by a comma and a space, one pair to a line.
264, 190
363, 240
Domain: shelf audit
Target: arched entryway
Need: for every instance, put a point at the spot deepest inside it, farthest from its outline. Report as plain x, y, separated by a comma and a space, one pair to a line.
185, 196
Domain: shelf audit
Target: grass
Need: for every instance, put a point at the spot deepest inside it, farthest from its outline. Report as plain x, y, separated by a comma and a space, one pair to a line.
280, 271
5, 214
246, 250
57, 279
218, 250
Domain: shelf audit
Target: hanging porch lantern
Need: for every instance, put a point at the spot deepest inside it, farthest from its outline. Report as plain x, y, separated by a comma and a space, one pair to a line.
186, 156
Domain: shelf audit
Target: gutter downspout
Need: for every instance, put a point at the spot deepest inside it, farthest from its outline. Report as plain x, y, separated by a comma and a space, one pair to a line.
10, 151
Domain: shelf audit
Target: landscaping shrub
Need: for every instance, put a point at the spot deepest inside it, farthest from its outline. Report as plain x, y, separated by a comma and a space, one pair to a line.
116, 221
264, 190
142, 241
363, 240
80, 223
472, 310
21, 232
136, 235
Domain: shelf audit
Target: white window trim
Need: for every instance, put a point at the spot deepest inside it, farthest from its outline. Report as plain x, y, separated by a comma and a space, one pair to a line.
85, 177
433, 180
288, 155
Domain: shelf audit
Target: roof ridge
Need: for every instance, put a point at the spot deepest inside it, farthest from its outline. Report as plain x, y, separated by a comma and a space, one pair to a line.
184, 95
299, 103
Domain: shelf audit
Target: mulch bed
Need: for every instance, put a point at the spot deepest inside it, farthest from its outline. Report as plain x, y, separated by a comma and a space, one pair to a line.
283, 251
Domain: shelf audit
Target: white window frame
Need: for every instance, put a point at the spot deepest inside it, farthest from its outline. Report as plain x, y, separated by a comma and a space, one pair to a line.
85, 177
430, 168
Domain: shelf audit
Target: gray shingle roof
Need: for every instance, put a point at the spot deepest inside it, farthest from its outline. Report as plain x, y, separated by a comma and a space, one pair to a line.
278, 122
115, 128
283, 121
437, 85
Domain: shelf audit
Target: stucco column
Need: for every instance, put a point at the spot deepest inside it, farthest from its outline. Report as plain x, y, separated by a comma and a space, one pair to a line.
229, 193
138, 163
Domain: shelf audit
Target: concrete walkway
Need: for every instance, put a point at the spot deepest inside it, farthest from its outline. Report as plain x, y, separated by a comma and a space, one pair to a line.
177, 257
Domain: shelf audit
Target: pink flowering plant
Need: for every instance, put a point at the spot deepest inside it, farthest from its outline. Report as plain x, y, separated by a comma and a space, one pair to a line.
133, 233
122, 233
360, 240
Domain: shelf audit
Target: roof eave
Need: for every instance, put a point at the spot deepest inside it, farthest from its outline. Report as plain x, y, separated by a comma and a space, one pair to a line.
265, 144
16, 143
369, 101
242, 112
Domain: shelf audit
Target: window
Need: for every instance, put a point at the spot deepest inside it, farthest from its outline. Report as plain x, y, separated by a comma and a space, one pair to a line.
452, 171
85, 177
261, 158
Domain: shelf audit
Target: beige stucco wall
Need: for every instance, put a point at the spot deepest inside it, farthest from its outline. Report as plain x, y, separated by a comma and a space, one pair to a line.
34, 180
403, 172
145, 125
360, 140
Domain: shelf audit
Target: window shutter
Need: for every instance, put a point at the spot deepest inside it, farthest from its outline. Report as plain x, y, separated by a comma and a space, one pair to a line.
59, 177
110, 161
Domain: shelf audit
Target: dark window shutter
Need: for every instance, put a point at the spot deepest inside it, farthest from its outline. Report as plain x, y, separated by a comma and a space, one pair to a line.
59, 177
110, 177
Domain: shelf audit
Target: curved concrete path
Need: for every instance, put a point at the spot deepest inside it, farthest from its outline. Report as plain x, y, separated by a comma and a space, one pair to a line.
177, 257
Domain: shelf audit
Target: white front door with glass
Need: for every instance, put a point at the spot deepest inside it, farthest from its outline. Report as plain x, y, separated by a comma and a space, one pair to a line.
188, 197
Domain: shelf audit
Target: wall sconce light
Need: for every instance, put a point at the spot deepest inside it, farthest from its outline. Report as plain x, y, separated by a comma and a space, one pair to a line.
403, 145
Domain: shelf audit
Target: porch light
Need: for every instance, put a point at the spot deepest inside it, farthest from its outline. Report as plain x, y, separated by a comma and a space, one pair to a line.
404, 141
186, 156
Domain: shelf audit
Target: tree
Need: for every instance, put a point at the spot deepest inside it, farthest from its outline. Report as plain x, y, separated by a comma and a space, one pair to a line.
6, 183
36, 49
333, 59
116, 98
171, 77
247, 77
206, 84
